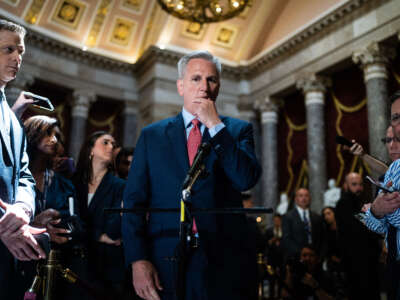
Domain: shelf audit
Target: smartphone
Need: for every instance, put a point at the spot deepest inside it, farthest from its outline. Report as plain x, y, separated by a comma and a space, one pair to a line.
40, 101
343, 141
378, 185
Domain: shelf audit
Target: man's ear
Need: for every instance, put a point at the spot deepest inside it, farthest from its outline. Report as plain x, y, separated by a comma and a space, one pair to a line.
179, 86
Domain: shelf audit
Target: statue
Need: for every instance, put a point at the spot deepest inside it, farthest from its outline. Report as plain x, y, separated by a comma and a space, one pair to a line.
332, 195
283, 204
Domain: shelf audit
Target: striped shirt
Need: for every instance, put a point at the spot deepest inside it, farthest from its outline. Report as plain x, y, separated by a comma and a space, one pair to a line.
382, 225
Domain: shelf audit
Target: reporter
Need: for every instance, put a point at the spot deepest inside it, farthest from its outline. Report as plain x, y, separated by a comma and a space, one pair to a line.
305, 278
98, 188
52, 198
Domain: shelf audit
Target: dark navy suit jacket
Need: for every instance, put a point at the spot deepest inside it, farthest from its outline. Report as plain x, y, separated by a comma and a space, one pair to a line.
105, 260
159, 167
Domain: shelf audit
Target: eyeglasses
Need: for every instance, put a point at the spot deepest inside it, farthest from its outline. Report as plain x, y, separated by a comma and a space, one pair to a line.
388, 140
395, 119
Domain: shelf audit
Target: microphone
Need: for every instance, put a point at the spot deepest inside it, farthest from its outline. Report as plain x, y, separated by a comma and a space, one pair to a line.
343, 141
202, 153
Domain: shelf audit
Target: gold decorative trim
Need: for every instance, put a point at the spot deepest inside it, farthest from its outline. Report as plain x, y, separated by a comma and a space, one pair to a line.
396, 76
34, 11
69, 13
132, 5
348, 109
107, 122
193, 30
98, 22
225, 35
292, 127
122, 32
302, 180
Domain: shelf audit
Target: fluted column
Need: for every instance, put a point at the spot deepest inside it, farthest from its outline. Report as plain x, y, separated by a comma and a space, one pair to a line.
80, 109
21, 83
373, 60
130, 124
269, 121
314, 89
249, 114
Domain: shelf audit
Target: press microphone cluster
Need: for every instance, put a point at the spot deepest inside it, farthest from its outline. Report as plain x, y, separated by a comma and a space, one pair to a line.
202, 153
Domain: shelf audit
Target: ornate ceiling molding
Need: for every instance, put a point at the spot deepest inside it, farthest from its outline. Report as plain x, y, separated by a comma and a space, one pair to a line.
51, 45
154, 54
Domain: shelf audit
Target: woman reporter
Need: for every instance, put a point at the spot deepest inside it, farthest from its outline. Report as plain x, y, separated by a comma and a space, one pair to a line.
97, 188
54, 208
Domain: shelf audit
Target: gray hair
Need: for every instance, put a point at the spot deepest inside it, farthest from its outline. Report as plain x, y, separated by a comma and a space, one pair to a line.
203, 54
10, 26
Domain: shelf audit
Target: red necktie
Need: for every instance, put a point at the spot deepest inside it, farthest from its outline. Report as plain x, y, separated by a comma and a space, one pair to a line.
194, 140
193, 144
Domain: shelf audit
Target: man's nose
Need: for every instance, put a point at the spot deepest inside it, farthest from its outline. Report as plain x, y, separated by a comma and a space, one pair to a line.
204, 85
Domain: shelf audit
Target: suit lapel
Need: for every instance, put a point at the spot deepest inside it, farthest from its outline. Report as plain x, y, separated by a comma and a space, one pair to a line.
175, 132
4, 134
101, 193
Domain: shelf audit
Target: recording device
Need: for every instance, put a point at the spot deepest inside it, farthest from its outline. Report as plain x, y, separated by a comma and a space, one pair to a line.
40, 101
341, 140
71, 223
379, 185
43, 240
202, 153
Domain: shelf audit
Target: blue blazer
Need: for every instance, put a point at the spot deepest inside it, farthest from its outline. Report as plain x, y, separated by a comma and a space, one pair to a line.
16, 186
159, 167
16, 181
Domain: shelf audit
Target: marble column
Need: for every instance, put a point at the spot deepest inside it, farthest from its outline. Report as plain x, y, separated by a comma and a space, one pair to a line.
249, 114
80, 109
373, 60
269, 121
130, 124
21, 83
314, 88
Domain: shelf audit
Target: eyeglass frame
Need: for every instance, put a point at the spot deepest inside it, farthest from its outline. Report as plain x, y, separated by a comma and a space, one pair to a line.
388, 140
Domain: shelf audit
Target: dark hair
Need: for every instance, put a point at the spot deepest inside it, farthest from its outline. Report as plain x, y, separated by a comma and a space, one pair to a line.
36, 128
328, 207
10, 26
84, 167
124, 152
394, 97
311, 247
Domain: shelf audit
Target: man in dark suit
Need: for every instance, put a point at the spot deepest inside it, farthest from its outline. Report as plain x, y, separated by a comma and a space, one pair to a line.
159, 167
17, 200
301, 226
360, 247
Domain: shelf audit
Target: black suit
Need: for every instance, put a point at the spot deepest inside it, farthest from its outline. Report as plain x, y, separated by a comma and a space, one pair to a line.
360, 249
294, 234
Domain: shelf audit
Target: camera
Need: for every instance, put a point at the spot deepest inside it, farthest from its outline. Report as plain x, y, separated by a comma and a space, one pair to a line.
73, 224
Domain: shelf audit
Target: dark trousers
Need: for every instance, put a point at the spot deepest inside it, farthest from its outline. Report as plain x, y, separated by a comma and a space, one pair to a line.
393, 272
7, 274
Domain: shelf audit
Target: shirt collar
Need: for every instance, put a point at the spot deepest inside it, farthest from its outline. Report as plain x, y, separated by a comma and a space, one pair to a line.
301, 210
187, 117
